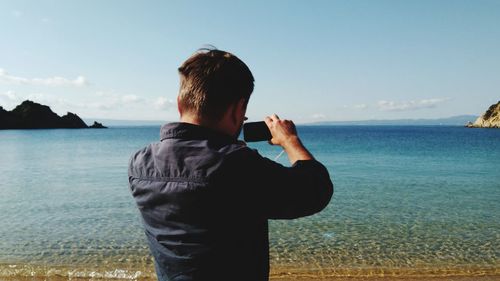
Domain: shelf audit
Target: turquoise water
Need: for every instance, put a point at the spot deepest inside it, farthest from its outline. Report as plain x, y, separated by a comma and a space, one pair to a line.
406, 198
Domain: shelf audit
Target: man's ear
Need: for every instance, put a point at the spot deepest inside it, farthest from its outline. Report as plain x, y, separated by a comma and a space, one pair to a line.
238, 109
179, 106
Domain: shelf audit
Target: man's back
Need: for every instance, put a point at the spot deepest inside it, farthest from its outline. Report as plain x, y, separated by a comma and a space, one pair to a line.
205, 200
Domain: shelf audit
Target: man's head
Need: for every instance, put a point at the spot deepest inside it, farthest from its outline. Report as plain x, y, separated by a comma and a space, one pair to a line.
211, 83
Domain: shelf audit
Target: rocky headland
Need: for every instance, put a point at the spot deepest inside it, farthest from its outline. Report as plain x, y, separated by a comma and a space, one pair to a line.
97, 125
32, 115
490, 119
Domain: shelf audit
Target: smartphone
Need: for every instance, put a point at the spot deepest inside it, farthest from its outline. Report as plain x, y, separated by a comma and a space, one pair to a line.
256, 131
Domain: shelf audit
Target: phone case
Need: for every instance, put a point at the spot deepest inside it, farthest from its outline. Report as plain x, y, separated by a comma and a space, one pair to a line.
256, 131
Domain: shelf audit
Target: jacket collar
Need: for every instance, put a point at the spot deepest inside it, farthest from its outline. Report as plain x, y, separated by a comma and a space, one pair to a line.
180, 130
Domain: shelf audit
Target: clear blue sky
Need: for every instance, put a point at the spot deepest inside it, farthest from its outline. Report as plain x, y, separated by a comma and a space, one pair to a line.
312, 60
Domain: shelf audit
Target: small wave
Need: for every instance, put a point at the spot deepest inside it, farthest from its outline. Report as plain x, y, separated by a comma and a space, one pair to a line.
27, 270
44, 272
312, 272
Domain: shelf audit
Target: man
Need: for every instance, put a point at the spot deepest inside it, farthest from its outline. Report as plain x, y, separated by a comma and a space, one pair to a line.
205, 197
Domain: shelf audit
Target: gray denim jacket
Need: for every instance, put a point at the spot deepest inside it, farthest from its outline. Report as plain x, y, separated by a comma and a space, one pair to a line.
205, 200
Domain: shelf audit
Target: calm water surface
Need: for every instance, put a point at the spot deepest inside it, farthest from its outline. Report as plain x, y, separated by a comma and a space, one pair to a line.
407, 199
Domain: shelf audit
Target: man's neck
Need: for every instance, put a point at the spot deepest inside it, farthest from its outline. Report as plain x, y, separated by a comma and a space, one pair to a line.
214, 126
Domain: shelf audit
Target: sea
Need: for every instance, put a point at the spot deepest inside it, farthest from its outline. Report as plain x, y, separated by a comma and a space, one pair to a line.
408, 201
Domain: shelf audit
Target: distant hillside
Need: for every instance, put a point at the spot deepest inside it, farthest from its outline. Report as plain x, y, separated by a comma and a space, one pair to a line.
450, 121
32, 115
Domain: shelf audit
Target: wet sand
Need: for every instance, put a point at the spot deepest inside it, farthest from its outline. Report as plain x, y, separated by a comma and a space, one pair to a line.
284, 278
444, 278
28, 272
463, 273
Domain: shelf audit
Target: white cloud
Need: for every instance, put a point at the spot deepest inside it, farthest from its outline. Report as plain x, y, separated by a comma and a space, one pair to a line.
163, 103
409, 105
9, 95
360, 106
356, 106
102, 106
103, 94
318, 116
45, 99
5, 77
130, 99
9, 99
109, 100
106, 104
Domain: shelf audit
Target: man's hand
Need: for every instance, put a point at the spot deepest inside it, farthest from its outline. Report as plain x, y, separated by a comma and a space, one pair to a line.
285, 135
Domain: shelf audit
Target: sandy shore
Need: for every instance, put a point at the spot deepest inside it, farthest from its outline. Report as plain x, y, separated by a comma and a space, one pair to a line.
276, 278
30, 272
443, 278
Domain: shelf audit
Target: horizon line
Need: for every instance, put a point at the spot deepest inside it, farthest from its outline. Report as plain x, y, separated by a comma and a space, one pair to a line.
472, 116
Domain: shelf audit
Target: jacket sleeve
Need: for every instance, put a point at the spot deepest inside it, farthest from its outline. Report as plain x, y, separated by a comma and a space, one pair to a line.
282, 192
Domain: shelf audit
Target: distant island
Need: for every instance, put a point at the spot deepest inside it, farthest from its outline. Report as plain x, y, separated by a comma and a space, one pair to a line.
490, 119
459, 120
32, 115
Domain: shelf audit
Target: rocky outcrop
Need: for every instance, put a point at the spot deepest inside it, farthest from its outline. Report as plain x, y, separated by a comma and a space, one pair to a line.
97, 125
7, 120
71, 120
490, 119
32, 115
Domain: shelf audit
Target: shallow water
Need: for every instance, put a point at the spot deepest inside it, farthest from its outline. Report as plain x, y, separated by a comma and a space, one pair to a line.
406, 198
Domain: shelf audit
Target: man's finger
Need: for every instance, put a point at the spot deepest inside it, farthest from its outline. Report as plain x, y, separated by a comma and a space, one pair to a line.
268, 121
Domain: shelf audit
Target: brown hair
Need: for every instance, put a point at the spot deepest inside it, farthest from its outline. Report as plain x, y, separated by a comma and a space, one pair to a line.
212, 80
